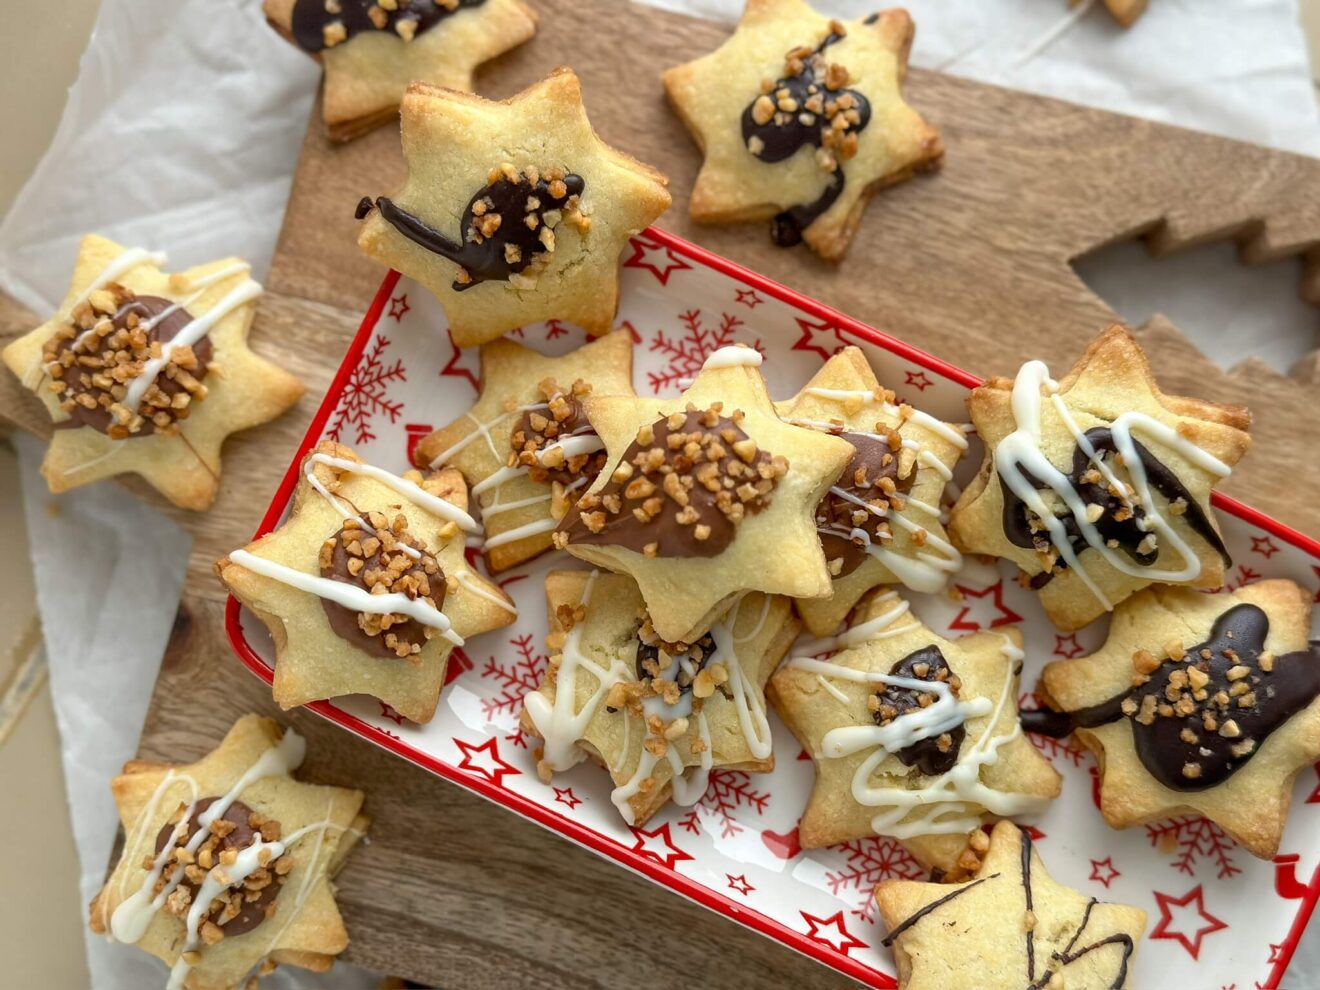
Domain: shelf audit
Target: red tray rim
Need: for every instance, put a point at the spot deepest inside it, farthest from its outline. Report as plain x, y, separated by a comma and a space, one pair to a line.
581, 834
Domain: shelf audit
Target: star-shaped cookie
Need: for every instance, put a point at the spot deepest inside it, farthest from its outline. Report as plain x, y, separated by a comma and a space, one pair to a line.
512, 212
1009, 927
524, 489
359, 540
880, 522
227, 862
1099, 484
372, 50
706, 496
149, 373
894, 757
801, 118
1201, 704
658, 715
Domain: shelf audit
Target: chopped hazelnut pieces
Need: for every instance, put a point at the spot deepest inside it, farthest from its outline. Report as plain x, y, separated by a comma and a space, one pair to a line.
540, 440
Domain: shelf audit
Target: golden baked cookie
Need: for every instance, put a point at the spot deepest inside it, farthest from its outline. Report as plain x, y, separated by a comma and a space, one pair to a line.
801, 119
1098, 485
512, 212
372, 50
1010, 927
658, 715
226, 863
364, 587
1208, 704
880, 522
148, 373
525, 447
705, 497
913, 735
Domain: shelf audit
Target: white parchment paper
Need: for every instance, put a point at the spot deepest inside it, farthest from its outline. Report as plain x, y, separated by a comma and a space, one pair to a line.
181, 134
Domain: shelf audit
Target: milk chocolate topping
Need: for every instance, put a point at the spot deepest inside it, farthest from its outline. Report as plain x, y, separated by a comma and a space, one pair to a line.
872, 477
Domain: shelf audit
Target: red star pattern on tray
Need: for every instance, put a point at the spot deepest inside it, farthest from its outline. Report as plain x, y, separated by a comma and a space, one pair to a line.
565, 795
387, 712
868, 862
1179, 917
1264, 546
831, 338
728, 791
516, 678
1103, 871
366, 396
1195, 838
785, 845
1067, 647
687, 352
484, 760
463, 363
658, 259
658, 844
749, 298
831, 931
918, 380
964, 620
399, 306
1276, 951
739, 883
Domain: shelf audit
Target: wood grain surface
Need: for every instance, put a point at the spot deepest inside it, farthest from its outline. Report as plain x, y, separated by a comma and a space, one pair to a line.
970, 263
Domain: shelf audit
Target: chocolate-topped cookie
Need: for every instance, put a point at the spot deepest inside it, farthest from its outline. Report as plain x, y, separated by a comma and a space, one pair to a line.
372, 49
801, 120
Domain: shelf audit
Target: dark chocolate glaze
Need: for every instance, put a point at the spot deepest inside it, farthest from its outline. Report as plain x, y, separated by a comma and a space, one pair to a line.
1127, 533
344, 621
834, 514
648, 652
674, 539
1291, 685
145, 307
781, 141
254, 912
310, 18
924, 754
485, 261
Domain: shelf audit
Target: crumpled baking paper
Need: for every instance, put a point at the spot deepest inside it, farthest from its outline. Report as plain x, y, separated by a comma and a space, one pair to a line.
182, 131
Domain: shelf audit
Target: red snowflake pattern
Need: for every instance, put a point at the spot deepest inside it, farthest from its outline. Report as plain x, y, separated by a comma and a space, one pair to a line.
687, 352
1244, 575
1052, 749
365, 395
868, 862
1195, 838
515, 680
728, 791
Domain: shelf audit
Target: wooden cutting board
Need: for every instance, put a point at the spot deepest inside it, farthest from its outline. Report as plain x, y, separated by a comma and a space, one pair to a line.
971, 263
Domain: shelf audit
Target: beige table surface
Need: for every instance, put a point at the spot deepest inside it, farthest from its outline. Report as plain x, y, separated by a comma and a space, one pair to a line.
33, 813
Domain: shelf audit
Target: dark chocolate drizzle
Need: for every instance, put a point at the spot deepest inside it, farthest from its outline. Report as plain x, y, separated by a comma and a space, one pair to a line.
912, 919
310, 18
780, 141
485, 259
145, 308
1291, 685
1125, 530
924, 754
874, 457
242, 836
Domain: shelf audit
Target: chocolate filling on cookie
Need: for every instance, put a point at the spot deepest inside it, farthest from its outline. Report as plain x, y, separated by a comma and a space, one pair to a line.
809, 106
680, 489
94, 358
321, 24
934, 755
673, 679
853, 514
237, 910
1199, 715
555, 442
381, 554
1119, 518
506, 225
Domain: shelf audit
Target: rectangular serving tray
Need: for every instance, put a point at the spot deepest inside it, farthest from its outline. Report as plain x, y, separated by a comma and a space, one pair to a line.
1218, 917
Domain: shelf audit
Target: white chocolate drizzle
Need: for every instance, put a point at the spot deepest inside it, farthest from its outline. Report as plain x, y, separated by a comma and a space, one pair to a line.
733, 356
1019, 454
413, 493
